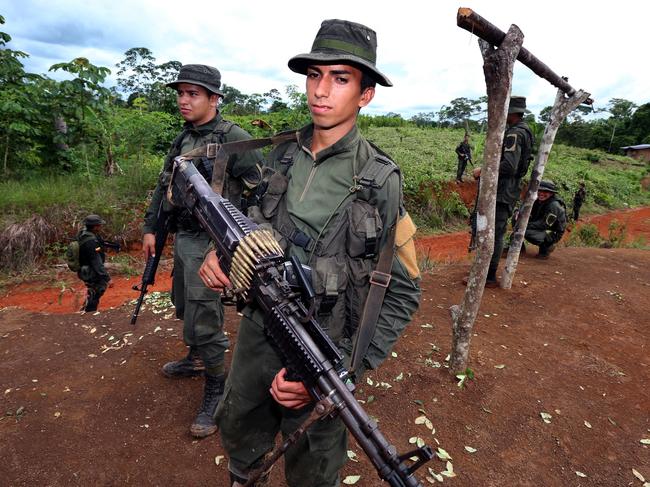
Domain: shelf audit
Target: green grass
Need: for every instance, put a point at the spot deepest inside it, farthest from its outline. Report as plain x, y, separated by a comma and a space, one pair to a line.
425, 155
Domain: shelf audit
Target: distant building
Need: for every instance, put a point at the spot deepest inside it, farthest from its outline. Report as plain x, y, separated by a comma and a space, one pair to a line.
639, 152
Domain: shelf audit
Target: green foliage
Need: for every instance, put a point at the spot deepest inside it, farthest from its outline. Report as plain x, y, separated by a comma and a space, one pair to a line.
585, 236
617, 234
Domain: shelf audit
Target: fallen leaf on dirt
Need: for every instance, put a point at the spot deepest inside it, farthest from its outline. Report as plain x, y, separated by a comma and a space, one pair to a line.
93, 330
500, 366
352, 456
587, 424
612, 421
580, 474
486, 410
57, 414
645, 441
546, 417
469, 449
426, 325
435, 475
157, 329
351, 479
420, 420
400, 376
92, 355
449, 472
218, 459
7, 391
369, 381
638, 475
393, 354
443, 455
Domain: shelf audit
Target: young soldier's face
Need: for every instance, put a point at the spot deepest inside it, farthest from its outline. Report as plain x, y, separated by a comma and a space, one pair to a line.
334, 96
194, 103
543, 195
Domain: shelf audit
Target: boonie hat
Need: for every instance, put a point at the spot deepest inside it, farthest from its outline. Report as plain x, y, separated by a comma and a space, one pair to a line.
517, 105
93, 220
342, 41
547, 186
199, 74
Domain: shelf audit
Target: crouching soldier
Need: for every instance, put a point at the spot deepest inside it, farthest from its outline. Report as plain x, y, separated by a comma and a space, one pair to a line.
547, 220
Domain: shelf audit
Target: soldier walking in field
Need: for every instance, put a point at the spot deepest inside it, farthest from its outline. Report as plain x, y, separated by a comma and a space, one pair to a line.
91, 261
333, 201
464, 153
578, 199
200, 308
515, 158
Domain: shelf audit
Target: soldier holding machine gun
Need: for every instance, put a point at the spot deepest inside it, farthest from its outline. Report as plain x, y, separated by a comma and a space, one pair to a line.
334, 203
198, 94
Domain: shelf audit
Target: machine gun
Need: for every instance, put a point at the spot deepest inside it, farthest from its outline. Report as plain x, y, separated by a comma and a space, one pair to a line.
151, 267
255, 264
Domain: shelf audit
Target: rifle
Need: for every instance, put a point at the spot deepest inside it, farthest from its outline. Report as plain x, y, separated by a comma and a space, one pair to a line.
255, 264
112, 245
149, 274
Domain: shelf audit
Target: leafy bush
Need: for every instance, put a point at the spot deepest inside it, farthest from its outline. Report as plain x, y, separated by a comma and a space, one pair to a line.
585, 236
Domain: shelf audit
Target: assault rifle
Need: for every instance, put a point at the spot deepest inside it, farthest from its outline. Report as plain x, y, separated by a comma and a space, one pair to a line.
255, 264
161, 229
112, 245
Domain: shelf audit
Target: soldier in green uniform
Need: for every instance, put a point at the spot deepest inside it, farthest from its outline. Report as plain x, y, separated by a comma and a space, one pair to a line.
331, 202
91, 260
578, 199
464, 153
547, 220
200, 308
515, 159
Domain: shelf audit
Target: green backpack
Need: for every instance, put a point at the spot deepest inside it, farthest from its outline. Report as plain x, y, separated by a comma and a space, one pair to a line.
72, 252
72, 256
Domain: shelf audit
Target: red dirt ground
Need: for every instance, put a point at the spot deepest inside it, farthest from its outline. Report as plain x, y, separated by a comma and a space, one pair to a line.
83, 402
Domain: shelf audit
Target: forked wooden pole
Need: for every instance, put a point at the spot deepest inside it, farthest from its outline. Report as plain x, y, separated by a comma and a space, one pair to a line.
497, 67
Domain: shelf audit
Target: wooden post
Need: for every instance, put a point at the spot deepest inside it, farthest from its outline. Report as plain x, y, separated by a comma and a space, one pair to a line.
561, 108
497, 67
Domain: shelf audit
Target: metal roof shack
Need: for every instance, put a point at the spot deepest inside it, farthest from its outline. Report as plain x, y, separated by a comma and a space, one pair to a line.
639, 152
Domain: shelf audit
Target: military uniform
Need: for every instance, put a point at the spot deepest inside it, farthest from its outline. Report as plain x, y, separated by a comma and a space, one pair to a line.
333, 212
464, 153
547, 221
515, 159
91, 260
199, 307
578, 200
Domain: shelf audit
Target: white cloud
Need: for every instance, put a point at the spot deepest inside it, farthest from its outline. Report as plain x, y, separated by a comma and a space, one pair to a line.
429, 59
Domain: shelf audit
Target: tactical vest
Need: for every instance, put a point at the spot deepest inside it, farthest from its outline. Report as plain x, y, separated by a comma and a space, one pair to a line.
346, 253
526, 153
232, 188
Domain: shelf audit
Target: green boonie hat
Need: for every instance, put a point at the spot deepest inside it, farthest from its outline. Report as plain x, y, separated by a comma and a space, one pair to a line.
547, 186
199, 74
93, 220
341, 41
517, 105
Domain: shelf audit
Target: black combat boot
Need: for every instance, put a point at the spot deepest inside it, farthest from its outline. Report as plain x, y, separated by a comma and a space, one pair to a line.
189, 366
204, 424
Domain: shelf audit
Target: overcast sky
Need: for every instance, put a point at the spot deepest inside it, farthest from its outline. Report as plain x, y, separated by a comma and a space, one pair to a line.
600, 46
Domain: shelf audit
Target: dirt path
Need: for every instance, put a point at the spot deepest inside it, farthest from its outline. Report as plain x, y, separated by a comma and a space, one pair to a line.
83, 402
68, 295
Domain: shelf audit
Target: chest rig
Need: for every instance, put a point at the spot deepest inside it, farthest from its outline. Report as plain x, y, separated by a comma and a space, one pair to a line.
347, 250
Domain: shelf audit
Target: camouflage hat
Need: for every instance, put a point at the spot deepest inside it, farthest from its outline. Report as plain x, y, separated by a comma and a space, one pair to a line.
199, 74
548, 186
93, 220
341, 41
517, 105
